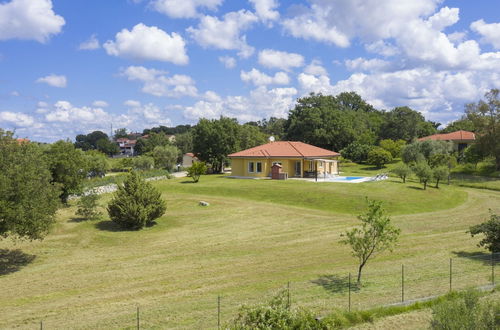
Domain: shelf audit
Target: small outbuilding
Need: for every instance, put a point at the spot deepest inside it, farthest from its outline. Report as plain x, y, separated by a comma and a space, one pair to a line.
189, 159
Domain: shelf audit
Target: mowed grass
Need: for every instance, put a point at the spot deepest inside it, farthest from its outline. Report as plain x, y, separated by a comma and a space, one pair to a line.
255, 236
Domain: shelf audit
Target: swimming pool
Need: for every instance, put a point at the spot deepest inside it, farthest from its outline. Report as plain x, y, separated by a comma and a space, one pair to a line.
347, 178
350, 179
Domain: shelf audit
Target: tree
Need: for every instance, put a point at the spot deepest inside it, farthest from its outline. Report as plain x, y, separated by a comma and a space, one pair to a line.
136, 203
28, 199
184, 142
67, 166
405, 124
165, 156
89, 141
143, 163
376, 235
96, 164
356, 152
401, 170
491, 230
250, 136
378, 156
214, 139
394, 147
87, 207
145, 145
472, 154
424, 172
196, 170
424, 150
120, 133
107, 147
462, 124
440, 173
485, 115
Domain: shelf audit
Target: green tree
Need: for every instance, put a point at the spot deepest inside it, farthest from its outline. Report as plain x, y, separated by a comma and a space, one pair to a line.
136, 203
196, 170
96, 163
485, 115
356, 152
165, 156
28, 199
107, 147
491, 230
120, 133
405, 124
214, 139
440, 173
143, 163
87, 207
462, 124
379, 157
89, 141
250, 136
394, 147
184, 142
401, 170
376, 235
68, 167
424, 172
424, 150
472, 154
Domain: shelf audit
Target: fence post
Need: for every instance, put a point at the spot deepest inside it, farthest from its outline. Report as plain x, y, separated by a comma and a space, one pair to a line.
288, 295
402, 283
41, 325
349, 292
451, 269
218, 312
138, 324
493, 269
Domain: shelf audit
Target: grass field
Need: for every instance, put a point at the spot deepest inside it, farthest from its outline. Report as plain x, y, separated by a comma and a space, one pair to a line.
255, 236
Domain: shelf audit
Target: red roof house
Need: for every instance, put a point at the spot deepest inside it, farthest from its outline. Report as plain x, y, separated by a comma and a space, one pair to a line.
460, 139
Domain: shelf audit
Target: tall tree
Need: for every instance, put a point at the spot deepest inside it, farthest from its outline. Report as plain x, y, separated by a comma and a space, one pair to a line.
214, 139
376, 234
68, 167
120, 133
250, 136
406, 124
89, 141
165, 156
28, 199
462, 124
485, 115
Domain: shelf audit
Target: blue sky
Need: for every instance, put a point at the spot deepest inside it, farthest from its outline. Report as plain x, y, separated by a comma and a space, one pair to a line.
71, 67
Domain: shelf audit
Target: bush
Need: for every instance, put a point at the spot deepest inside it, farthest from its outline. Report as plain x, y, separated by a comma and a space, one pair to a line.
87, 207
467, 312
143, 163
378, 156
394, 147
356, 152
136, 203
402, 170
196, 170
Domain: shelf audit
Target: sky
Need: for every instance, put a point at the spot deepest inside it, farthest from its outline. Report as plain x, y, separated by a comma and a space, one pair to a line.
72, 67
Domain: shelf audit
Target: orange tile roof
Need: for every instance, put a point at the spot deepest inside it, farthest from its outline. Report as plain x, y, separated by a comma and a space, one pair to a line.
453, 136
285, 149
22, 140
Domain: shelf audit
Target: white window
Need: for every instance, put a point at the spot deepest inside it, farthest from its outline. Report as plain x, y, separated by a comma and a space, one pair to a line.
259, 167
251, 167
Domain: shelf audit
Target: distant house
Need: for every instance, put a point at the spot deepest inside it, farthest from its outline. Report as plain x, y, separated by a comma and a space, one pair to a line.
22, 140
460, 139
296, 159
188, 159
126, 146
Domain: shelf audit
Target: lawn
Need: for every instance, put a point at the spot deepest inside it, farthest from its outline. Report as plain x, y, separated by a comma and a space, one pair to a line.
255, 236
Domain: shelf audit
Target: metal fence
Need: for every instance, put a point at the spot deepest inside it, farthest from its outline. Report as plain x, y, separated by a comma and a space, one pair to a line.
386, 284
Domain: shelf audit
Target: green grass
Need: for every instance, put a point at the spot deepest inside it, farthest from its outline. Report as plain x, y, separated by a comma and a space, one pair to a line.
255, 236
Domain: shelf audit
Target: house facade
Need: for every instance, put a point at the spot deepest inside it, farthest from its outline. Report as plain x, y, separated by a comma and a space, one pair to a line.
297, 159
460, 139
126, 146
189, 159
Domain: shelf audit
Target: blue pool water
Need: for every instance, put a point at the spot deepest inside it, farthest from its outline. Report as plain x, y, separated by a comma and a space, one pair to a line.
347, 178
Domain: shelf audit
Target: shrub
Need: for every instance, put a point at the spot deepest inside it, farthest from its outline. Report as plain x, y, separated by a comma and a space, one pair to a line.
402, 170
394, 147
196, 170
378, 156
143, 163
136, 203
356, 152
466, 312
491, 230
87, 207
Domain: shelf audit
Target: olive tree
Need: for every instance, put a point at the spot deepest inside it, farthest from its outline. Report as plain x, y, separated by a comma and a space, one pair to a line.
402, 170
376, 234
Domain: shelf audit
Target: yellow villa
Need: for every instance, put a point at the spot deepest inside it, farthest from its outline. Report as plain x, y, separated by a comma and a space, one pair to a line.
295, 159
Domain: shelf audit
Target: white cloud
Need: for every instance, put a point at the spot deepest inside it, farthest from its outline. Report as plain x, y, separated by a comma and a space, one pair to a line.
444, 18
29, 20
183, 8
212, 96
363, 64
90, 44
15, 93
100, 104
16, 119
315, 68
265, 9
225, 33
228, 61
383, 48
156, 82
261, 103
54, 80
148, 43
490, 32
259, 78
282, 60
132, 103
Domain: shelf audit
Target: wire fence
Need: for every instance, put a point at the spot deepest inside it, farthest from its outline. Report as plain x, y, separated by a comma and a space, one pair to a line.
389, 284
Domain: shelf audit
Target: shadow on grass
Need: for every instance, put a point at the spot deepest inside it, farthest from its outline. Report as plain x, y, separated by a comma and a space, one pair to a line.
108, 225
373, 168
336, 284
416, 188
13, 260
191, 181
77, 219
482, 257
